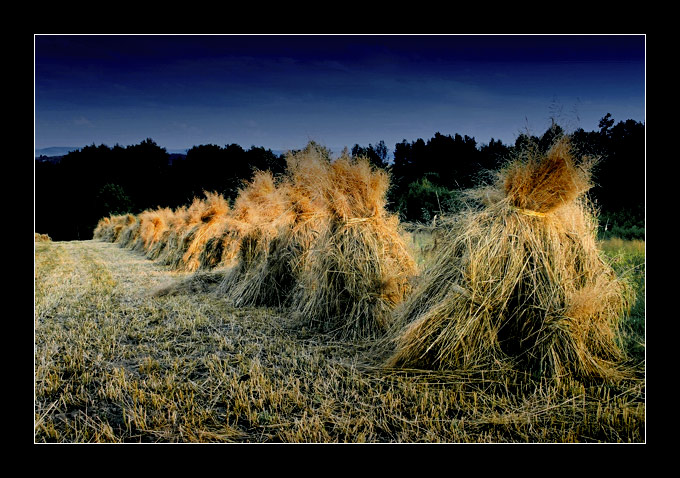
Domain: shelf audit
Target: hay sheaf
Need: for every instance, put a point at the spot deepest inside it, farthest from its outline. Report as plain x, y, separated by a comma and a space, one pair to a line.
170, 246
320, 241
179, 234
154, 231
41, 237
205, 222
359, 267
221, 250
130, 231
260, 210
520, 283
101, 230
274, 268
110, 228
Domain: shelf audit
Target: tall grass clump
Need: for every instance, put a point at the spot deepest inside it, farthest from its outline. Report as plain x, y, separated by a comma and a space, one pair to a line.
628, 259
519, 283
358, 267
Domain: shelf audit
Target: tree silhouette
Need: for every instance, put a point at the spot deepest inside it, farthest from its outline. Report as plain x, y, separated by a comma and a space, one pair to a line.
605, 123
72, 194
552, 134
112, 200
146, 174
377, 155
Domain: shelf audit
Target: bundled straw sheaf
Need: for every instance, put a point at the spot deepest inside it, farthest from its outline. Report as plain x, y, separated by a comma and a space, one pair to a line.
110, 228
130, 231
41, 237
205, 220
519, 284
101, 231
260, 210
267, 274
359, 266
169, 249
154, 231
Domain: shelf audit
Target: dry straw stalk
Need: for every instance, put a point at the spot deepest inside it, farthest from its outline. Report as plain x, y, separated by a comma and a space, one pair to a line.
260, 210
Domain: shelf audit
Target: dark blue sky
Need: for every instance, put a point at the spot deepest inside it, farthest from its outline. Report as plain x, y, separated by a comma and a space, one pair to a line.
282, 91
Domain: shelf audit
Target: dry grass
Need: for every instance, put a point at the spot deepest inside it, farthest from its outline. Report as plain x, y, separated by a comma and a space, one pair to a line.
116, 363
511, 334
520, 290
102, 229
543, 183
518, 286
152, 230
169, 250
275, 268
183, 239
205, 220
318, 240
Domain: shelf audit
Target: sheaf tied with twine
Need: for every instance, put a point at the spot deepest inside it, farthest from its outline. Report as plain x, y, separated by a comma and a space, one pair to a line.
359, 266
519, 284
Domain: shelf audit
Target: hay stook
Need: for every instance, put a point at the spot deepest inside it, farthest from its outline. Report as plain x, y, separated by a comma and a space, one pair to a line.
276, 270
205, 221
359, 266
520, 283
260, 210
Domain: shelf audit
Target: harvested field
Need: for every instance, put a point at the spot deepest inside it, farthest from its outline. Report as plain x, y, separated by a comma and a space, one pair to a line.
117, 362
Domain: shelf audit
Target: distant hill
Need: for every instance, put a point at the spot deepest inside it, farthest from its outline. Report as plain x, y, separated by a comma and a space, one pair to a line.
55, 151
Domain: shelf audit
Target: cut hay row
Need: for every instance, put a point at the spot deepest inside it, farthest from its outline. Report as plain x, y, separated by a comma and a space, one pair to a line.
171, 237
317, 240
517, 282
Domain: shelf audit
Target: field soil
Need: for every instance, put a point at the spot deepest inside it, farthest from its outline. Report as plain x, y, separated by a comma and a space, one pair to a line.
127, 350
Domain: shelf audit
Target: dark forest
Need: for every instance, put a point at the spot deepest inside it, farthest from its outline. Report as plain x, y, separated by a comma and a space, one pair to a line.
74, 191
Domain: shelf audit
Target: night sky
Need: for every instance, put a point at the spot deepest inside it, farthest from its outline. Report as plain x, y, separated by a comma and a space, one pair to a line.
282, 91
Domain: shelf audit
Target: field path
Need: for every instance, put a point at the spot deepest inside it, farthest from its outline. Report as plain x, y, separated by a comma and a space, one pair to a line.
77, 268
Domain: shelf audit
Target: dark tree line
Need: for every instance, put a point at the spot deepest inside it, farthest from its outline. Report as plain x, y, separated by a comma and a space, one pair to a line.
72, 194
429, 175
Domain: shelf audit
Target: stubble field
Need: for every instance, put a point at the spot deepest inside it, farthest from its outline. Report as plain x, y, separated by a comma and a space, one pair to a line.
117, 361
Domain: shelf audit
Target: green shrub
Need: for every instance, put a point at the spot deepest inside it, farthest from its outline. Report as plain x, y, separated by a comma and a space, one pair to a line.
423, 200
112, 200
625, 224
